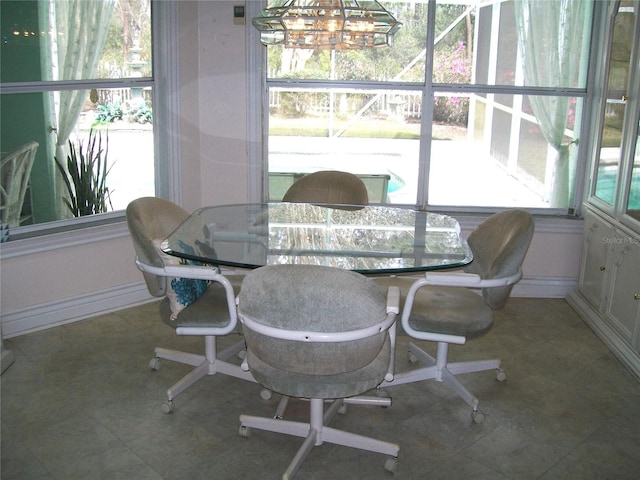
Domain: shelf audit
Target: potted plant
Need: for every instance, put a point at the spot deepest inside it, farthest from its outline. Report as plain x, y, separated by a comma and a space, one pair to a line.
85, 176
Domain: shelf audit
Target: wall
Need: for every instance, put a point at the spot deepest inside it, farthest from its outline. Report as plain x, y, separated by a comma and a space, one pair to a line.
45, 286
222, 120
69, 277
213, 104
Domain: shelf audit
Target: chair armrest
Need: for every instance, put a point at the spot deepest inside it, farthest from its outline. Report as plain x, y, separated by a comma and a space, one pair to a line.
393, 310
393, 300
469, 280
456, 279
197, 272
309, 336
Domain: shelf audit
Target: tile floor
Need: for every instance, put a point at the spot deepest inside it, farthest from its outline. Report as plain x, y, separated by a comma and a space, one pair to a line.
80, 402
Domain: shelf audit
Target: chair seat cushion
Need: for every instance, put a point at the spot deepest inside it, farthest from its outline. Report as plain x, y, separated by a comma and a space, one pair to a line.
208, 310
448, 310
340, 385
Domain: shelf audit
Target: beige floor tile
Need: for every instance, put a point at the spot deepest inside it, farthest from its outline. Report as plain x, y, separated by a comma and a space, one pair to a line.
81, 402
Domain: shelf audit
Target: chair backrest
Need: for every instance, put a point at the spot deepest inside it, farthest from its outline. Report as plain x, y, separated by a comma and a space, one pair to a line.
330, 187
377, 186
499, 246
15, 170
150, 220
311, 298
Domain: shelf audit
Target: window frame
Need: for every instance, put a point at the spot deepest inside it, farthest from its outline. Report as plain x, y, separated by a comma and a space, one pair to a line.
83, 230
259, 92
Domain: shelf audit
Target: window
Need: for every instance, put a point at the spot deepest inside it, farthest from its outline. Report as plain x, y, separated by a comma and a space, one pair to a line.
76, 78
477, 104
612, 127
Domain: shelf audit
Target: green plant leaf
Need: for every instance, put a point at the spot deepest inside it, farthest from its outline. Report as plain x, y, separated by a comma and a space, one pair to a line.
86, 176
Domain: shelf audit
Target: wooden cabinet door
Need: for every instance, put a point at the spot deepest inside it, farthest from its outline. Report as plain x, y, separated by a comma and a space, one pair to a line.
597, 243
623, 303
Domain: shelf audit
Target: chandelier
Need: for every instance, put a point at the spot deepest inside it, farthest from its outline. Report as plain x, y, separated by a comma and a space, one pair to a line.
326, 24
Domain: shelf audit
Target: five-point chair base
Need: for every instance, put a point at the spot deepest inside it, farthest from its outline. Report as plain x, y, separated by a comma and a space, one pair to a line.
316, 432
207, 364
439, 369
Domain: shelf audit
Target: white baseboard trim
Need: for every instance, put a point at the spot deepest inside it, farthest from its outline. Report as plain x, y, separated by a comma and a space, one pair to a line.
71, 310
544, 287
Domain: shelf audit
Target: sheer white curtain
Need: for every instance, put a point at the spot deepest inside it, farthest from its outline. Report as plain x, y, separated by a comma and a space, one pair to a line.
550, 42
77, 33
85, 24
78, 30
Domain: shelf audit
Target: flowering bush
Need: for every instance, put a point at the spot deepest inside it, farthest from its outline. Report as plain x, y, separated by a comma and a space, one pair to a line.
451, 65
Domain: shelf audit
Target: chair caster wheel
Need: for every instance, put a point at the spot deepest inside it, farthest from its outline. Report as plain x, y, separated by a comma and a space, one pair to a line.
477, 416
155, 364
501, 376
167, 407
391, 464
265, 394
244, 432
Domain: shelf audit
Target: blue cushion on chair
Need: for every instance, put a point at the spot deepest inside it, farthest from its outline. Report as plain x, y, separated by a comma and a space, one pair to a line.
181, 292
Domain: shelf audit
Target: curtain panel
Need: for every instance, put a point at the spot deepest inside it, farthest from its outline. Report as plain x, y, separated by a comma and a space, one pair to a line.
551, 42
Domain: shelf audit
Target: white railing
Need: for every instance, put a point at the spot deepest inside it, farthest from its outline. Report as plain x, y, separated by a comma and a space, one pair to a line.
108, 96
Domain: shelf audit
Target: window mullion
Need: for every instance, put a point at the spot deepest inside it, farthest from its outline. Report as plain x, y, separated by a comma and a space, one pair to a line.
60, 85
257, 113
166, 128
426, 122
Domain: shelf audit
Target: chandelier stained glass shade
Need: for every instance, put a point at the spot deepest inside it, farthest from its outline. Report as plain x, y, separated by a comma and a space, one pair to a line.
326, 24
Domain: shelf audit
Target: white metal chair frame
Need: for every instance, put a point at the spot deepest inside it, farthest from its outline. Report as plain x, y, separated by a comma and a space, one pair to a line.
15, 171
438, 368
211, 362
317, 431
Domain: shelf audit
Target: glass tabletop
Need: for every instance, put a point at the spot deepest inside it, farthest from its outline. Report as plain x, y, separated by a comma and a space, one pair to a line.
369, 240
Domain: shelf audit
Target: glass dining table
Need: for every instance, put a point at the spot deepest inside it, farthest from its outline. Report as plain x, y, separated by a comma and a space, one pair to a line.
370, 240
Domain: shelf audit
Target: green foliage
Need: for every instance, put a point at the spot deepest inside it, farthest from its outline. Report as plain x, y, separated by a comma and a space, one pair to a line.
85, 176
133, 112
140, 114
446, 13
109, 113
130, 17
313, 127
296, 104
403, 62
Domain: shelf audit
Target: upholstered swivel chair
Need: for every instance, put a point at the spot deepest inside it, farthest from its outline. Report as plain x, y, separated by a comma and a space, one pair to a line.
197, 299
318, 333
15, 170
455, 307
329, 187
